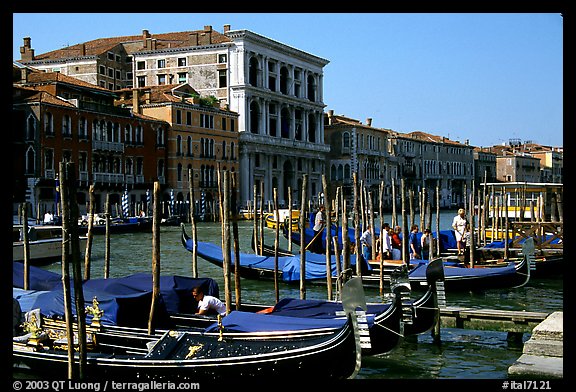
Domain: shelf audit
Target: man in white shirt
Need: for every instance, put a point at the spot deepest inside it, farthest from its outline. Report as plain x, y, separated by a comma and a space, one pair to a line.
208, 304
386, 241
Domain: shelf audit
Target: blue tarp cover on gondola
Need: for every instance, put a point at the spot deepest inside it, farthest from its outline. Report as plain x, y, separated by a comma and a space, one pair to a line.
125, 300
239, 321
130, 310
293, 307
288, 265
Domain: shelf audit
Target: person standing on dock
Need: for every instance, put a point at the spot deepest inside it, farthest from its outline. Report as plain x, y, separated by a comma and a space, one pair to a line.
208, 304
366, 241
396, 243
386, 242
414, 244
425, 242
459, 225
319, 222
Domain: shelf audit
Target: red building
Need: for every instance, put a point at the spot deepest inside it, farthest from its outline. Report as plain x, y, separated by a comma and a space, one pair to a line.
59, 118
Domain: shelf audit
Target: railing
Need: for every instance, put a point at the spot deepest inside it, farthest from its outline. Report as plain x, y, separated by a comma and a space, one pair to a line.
544, 233
110, 178
107, 146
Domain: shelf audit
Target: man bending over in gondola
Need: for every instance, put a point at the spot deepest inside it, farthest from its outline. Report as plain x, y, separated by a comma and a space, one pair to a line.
208, 304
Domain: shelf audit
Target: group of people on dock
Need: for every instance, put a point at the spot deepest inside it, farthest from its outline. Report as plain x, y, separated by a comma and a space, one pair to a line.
419, 246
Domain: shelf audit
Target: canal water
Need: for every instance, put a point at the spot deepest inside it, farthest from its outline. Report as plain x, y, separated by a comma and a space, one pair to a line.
462, 354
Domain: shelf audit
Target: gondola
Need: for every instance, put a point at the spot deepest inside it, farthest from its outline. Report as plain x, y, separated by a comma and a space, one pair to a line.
459, 277
281, 347
254, 266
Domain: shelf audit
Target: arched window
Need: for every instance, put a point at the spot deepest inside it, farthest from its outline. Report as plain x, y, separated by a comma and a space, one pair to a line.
254, 117
189, 146
30, 161
311, 88
179, 172
178, 145
346, 172
312, 128
333, 172
253, 70
30, 128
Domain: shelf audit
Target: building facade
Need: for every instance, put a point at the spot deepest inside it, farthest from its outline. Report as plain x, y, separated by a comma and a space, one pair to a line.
59, 118
202, 137
277, 91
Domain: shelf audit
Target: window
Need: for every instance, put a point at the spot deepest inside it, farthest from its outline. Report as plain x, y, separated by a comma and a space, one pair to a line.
162, 63
66, 126
179, 145
102, 70
178, 117
222, 80
223, 123
83, 128
48, 123
188, 118
118, 74
222, 58
161, 79
110, 56
111, 72
182, 77
118, 59
141, 65
182, 61
128, 59
141, 81
207, 121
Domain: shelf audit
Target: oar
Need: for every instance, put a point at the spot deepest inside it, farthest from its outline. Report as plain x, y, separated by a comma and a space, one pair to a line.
315, 236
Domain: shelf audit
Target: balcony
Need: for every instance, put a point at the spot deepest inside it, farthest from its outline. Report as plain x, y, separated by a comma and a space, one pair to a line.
100, 145
108, 178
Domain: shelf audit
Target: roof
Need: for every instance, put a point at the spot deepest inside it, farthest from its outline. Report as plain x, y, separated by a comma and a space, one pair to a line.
52, 77
102, 45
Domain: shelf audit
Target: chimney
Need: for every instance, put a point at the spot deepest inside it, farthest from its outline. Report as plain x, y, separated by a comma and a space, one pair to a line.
193, 39
205, 37
145, 37
26, 51
226, 28
369, 121
330, 115
83, 50
136, 101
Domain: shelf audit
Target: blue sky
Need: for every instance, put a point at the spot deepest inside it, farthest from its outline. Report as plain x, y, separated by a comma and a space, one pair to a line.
485, 77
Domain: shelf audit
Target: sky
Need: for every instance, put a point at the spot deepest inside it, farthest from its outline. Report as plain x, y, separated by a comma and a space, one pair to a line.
482, 77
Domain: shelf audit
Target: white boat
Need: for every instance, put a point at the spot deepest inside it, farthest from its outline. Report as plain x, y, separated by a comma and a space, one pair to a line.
45, 243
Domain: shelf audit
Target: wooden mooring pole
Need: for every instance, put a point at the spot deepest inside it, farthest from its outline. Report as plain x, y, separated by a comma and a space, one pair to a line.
302, 237
156, 216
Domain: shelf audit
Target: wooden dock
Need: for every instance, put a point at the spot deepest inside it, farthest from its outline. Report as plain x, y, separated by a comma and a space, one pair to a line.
515, 323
